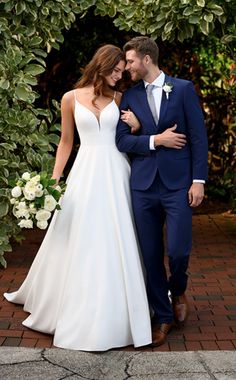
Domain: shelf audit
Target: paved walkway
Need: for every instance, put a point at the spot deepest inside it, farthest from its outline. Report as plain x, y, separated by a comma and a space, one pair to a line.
211, 291
55, 364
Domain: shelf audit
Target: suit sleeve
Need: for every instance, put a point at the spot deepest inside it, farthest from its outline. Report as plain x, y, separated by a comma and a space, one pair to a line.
127, 142
197, 133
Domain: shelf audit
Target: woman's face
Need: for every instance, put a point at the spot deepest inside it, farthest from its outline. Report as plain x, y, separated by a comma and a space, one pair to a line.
116, 74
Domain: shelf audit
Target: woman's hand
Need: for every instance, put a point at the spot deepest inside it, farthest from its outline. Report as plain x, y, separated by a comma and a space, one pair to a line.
129, 118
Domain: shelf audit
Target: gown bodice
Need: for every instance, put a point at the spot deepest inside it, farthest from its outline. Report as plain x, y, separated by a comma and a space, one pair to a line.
94, 131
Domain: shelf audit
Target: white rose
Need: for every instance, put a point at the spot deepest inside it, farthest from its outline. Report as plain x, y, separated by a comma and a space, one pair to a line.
39, 193
39, 190
35, 180
13, 201
42, 215
22, 205
16, 192
26, 223
49, 203
42, 224
167, 88
29, 195
39, 187
26, 176
23, 213
30, 187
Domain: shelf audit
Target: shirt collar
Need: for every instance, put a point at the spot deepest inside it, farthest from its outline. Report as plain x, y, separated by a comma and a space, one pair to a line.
158, 82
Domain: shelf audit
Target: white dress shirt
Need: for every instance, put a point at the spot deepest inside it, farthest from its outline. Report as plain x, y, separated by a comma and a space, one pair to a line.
157, 94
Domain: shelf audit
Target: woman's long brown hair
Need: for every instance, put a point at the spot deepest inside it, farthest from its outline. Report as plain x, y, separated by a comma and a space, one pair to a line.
102, 64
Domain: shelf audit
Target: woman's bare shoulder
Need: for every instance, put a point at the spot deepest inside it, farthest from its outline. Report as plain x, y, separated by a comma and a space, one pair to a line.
68, 96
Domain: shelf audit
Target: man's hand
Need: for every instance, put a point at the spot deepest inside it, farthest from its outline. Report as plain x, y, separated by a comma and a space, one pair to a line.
170, 139
129, 118
196, 194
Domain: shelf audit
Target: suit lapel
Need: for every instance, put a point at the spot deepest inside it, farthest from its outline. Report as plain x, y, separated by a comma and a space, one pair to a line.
164, 102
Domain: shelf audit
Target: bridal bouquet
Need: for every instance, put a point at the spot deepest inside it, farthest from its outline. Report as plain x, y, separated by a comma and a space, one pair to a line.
34, 198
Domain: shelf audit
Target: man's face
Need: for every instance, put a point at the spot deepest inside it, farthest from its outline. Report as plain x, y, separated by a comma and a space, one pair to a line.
135, 64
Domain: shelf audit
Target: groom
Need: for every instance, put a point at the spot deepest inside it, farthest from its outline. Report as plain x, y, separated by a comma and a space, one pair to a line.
168, 172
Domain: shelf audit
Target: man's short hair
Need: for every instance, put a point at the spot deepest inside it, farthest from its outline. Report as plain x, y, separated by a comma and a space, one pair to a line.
143, 46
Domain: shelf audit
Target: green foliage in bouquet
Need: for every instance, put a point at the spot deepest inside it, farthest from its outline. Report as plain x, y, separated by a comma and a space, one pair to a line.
34, 197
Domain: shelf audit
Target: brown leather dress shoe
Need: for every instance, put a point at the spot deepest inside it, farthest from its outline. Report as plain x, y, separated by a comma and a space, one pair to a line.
180, 308
159, 334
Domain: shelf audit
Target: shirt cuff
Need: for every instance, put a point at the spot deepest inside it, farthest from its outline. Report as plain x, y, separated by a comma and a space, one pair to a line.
151, 143
199, 181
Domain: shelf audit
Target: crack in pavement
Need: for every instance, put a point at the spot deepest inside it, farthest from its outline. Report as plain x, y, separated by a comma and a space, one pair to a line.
205, 366
67, 369
127, 366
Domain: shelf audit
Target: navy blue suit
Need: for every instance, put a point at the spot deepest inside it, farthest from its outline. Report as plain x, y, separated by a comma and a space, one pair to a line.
160, 180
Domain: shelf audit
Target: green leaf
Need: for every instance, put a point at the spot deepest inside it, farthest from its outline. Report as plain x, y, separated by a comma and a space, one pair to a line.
222, 19
54, 139
4, 83
22, 92
168, 27
45, 11
35, 41
3, 162
193, 19
4, 207
160, 17
30, 79
152, 29
208, 17
2, 260
188, 11
227, 38
216, 9
34, 69
201, 3
20, 7
204, 26
8, 146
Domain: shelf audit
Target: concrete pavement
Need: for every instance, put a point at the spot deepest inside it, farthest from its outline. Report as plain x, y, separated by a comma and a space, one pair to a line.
57, 364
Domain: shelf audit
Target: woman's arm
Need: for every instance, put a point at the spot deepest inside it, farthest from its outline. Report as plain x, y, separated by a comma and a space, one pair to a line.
67, 135
129, 118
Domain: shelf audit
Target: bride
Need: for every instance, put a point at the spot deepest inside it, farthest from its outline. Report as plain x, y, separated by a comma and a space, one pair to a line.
86, 284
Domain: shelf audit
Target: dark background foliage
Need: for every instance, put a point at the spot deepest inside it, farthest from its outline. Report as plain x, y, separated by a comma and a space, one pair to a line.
202, 60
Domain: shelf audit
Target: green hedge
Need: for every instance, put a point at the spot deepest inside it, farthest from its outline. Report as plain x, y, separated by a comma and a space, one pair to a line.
29, 30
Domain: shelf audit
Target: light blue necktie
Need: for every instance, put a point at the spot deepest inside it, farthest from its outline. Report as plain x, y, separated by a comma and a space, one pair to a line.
151, 101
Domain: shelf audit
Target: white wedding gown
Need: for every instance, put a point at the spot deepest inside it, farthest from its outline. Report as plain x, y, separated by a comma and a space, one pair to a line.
86, 284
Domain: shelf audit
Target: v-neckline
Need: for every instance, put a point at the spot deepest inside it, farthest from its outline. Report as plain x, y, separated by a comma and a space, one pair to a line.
97, 118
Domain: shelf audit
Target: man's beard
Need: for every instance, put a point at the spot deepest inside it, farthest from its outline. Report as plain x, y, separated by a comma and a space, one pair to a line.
140, 73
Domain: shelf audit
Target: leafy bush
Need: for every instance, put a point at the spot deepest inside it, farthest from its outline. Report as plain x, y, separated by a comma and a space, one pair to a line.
177, 20
29, 30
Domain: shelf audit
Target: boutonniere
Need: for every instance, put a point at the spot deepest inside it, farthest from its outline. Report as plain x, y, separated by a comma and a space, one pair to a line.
167, 87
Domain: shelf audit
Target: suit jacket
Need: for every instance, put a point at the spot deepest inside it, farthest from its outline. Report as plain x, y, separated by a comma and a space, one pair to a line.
177, 167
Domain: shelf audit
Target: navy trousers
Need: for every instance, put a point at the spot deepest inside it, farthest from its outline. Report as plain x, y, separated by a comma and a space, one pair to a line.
155, 208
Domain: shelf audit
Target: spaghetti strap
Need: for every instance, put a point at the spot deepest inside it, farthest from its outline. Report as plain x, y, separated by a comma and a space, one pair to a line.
74, 91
